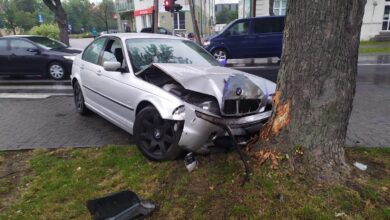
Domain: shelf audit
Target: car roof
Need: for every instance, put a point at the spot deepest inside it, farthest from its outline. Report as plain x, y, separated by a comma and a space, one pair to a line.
260, 17
125, 36
21, 36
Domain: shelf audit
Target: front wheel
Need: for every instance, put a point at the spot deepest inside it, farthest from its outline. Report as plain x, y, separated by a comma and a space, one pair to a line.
155, 137
56, 71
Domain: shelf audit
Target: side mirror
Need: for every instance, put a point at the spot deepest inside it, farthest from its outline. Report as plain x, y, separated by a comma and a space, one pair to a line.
111, 66
227, 33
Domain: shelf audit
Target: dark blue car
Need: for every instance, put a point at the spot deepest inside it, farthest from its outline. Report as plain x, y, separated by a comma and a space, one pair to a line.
248, 38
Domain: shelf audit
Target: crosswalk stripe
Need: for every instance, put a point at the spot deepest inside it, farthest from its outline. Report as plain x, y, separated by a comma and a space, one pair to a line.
30, 95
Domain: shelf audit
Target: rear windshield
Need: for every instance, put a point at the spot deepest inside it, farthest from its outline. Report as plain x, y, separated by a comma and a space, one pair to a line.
47, 42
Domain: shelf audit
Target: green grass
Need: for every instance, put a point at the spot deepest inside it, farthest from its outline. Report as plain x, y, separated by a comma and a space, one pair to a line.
374, 43
61, 181
363, 50
374, 47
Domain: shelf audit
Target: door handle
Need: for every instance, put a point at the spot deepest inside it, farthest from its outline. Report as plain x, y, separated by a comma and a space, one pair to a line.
99, 72
82, 67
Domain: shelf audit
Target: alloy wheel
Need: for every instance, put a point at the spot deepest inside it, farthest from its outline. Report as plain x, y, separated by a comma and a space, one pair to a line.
157, 138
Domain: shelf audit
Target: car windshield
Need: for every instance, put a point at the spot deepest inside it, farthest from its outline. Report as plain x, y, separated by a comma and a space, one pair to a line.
47, 42
144, 52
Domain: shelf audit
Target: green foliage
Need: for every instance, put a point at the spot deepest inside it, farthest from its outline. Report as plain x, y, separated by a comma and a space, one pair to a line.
18, 14
225, 16
48, 30
83, 15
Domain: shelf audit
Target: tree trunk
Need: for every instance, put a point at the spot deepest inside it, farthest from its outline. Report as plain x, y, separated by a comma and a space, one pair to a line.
62, 22
61, 18
316, 83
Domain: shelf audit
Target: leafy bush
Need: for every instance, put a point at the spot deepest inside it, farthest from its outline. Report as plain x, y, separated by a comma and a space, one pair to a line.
82, 35
48, 30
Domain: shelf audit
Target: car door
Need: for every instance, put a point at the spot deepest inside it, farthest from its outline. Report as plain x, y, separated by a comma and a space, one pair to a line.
25, 57
90, 72
4, 56
268, 34
236, 39
117, 89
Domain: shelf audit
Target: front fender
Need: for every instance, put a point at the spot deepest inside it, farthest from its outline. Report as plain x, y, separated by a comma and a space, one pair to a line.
164, 106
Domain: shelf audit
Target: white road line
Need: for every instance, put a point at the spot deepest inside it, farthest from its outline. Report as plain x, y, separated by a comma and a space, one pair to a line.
30, 95
373, 64
51, 87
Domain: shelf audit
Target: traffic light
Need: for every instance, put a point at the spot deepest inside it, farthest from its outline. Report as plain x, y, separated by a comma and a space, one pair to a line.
171, 6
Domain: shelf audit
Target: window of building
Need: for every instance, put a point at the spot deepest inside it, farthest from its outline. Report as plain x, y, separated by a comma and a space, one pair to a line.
386, 19
144, 24
280, 7
179, 21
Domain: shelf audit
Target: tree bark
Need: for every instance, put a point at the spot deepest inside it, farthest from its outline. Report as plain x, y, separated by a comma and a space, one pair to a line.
316, 83
61, 18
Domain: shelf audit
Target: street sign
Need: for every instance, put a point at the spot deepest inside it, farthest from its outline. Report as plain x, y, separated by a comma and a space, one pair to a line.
40, 19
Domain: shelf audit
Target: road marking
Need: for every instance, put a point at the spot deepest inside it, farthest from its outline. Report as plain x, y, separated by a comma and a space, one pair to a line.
52, 87
373, 64
30, 95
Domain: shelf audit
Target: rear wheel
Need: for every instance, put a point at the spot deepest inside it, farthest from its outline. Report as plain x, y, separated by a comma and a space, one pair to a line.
79, 99
155, 137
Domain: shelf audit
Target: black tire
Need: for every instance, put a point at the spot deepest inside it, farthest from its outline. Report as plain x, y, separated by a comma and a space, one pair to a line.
79, 100
155, 137
56, 70
217, 53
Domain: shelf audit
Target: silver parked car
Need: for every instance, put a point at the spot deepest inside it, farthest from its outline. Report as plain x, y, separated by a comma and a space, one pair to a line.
168, 92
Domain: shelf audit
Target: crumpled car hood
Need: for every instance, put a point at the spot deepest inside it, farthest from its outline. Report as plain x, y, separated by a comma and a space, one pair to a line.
210, 80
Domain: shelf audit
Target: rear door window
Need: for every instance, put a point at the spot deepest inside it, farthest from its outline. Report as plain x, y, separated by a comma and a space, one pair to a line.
92, 53
268, 25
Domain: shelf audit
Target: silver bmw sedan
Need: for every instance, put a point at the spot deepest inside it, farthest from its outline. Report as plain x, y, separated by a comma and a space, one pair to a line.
170, 93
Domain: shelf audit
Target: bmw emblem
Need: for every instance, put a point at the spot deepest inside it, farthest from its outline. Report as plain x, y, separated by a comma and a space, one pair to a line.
238, 91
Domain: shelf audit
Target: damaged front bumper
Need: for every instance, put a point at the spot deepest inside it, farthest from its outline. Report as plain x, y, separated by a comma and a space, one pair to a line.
202, 128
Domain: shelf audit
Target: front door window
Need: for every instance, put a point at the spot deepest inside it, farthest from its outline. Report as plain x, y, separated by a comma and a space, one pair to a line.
386, 19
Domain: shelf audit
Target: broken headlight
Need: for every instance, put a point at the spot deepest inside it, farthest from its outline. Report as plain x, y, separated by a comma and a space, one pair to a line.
179, 113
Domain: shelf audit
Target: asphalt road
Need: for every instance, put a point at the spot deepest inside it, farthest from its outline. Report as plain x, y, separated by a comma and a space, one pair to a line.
49, 122
39, 113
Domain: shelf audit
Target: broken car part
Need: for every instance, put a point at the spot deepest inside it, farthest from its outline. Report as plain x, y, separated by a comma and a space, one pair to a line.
124, 205
190, 162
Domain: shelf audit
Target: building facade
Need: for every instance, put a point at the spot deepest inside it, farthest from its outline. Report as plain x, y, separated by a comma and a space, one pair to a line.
137, 14
375, 21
